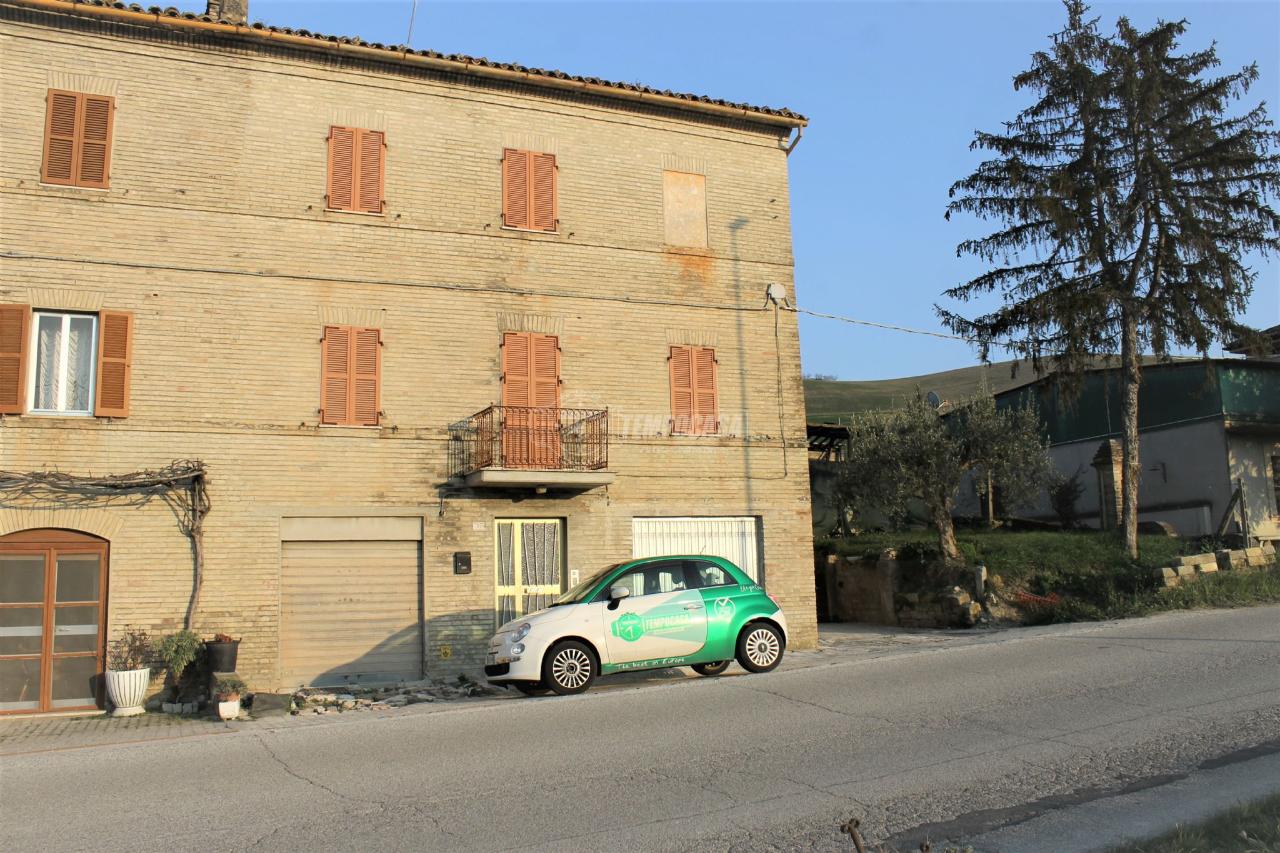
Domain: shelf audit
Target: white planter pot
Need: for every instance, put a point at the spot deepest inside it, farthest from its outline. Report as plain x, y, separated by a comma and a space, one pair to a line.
229, 710
127, 690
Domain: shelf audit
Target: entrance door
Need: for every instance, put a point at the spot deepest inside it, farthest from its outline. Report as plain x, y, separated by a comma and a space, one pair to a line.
736, 538
52, 589
531, 401
530, 560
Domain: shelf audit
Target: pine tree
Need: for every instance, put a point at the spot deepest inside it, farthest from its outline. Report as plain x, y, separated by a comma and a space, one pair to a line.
1129, 197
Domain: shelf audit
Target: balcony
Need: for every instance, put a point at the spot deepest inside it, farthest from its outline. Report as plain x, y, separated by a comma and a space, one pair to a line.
531, 447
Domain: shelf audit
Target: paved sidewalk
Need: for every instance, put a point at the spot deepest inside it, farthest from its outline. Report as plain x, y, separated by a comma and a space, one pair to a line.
837, 643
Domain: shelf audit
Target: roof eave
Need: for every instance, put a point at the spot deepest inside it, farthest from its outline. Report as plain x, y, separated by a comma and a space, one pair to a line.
326, 45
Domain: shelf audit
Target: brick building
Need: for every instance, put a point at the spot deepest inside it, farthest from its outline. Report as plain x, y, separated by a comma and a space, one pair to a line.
444, 334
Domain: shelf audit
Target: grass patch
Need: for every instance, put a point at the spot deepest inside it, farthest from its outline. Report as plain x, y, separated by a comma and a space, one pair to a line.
1089, 570
1251, 828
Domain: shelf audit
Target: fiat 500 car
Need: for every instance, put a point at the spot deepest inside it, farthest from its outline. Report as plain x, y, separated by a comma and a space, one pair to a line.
653, 613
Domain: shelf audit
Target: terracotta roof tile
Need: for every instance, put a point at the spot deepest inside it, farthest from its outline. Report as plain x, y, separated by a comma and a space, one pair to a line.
171, 12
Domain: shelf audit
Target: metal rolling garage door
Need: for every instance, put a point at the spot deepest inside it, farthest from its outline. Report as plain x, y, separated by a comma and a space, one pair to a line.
350, 612
736, 538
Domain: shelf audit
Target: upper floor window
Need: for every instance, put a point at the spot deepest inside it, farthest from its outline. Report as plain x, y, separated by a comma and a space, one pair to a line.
351, 376
528, 190
684, 202
694, 398
77, 139
356, 169
60, 362
63, 378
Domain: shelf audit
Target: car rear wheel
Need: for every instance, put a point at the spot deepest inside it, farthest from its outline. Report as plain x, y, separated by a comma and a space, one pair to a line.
760, 647
713, 668
569, 668
531, 688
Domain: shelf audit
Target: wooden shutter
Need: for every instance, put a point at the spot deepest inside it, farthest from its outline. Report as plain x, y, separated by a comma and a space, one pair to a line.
366, 356
342, 168
706, 418
516, 387
77, 139
369, 171
544, 375
680, 363
542, 192
115, 364
335, 375
15, 326
95, 142
515, 188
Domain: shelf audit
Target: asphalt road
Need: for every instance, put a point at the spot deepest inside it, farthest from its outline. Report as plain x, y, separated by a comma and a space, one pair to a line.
964, 741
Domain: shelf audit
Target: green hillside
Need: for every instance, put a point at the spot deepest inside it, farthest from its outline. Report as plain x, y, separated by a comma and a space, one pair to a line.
829, 400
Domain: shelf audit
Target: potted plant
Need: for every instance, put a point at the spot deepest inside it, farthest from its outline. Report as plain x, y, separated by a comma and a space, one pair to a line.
226, 692
222, 653
128, 672
178, 651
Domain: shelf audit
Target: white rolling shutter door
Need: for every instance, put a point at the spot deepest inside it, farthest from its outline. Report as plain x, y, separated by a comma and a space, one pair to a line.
736, 538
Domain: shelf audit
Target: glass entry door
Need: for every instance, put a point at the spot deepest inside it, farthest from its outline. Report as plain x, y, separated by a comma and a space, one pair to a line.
530, 562
52, 585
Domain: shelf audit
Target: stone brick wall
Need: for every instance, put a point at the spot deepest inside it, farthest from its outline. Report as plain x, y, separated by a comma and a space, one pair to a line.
214, 234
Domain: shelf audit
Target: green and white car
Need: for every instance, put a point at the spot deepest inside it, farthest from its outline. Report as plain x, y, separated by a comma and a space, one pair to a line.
650, 613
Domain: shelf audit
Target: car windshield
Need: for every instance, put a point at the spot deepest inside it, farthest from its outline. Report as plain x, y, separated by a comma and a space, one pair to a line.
579, 592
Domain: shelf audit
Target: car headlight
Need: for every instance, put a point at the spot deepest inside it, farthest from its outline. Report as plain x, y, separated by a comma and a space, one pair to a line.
522, 631
517, 649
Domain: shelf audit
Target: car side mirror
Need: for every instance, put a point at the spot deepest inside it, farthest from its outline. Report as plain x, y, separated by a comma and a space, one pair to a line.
617, 593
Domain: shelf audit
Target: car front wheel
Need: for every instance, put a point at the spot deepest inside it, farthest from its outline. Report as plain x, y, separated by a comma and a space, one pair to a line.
759, 647
569, 668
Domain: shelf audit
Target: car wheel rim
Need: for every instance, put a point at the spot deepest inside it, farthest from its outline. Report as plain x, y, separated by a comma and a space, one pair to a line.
571, 668
762, 647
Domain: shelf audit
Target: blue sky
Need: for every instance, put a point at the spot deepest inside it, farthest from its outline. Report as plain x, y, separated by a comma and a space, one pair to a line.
893, 90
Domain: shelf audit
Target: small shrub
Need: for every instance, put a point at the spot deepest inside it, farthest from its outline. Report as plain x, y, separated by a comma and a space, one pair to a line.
178, 651
131, 650
229, 687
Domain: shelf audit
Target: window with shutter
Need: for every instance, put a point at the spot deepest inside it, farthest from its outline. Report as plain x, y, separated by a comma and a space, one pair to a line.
529, 190
15, 321
77, 139
350, 376
694, 399
356, 170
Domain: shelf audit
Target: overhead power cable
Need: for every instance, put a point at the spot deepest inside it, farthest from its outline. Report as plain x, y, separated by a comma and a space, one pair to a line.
890, 326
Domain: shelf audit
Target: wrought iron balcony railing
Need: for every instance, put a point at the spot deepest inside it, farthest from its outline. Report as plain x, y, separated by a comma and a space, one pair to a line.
530, 438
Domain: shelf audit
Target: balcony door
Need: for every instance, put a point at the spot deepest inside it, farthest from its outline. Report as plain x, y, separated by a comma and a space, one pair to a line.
531, 401
52, 592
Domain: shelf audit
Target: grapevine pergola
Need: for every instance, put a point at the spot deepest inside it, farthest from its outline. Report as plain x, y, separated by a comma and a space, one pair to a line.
180, 484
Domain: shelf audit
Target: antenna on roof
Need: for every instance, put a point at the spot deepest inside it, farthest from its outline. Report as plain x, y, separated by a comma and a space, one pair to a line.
933, 399
413, 15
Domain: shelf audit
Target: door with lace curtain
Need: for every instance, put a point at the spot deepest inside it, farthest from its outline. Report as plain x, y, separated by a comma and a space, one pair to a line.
529, 555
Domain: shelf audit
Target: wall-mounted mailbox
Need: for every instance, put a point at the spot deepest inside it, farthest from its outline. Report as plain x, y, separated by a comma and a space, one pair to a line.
462, 562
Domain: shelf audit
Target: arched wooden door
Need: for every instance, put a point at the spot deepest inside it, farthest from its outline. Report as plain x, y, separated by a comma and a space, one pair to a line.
53, 587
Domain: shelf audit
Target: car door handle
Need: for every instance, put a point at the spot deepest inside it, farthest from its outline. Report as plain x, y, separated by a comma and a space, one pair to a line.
693, 607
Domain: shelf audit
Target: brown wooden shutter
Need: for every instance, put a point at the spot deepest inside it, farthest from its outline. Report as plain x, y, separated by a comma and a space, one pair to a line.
95, 142
544, 377
61, 116
15, 325
515, 188
115, 364
516, 387
369, 171
542, 192
342, 166
706, 414
366, 356
680, 363
335, 375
